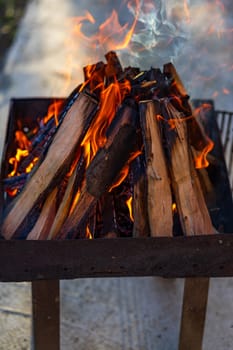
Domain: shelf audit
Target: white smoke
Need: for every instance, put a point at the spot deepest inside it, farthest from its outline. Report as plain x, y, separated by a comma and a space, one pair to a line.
196, 35
158, 37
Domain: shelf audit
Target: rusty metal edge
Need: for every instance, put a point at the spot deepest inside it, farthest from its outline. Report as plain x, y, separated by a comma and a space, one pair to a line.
199, 256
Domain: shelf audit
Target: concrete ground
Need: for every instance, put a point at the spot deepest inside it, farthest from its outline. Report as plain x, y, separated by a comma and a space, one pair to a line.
117, 313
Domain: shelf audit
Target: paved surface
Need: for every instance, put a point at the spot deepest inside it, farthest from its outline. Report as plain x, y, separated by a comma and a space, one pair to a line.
113, 314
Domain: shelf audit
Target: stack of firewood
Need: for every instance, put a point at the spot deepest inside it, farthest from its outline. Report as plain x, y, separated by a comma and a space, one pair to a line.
121, 159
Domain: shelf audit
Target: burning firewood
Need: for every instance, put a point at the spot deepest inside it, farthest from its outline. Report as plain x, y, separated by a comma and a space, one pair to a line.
120, 157
55, 164
191, 206
104, 168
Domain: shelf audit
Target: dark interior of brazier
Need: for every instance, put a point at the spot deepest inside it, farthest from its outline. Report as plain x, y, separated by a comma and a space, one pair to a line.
146, 162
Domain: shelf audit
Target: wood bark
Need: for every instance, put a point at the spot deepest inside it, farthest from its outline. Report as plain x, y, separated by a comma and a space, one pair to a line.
159, 197
194, 216
55, 164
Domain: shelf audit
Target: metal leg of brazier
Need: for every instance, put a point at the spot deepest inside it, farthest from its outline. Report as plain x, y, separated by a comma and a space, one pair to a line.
46, 315
193, 314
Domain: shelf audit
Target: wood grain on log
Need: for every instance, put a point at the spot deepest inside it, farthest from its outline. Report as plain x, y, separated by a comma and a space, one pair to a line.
159, 197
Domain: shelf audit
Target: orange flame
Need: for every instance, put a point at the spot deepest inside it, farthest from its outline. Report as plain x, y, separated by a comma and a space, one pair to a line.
12, 193
16, 159
124, 171
24, 144
111, 35
75, 201
173, 122
53, 111
110, 100
31, 165
22, 140
129, 205
121, 177
201, 160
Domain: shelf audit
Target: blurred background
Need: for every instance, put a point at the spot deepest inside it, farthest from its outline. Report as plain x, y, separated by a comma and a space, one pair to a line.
43, 47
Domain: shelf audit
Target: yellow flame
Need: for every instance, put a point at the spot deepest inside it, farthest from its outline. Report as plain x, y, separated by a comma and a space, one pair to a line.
129, 205
75, 201
174, 208
88, 233
31, 165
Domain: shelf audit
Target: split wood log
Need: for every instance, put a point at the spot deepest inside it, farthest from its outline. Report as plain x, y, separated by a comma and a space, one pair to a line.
55, 164
42, 140
63, 209
159, 196
74, 181
194, 216
41, 229
197, 134
105, 167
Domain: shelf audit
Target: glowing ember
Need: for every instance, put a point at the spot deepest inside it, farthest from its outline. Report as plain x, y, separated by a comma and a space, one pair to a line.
174, 208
